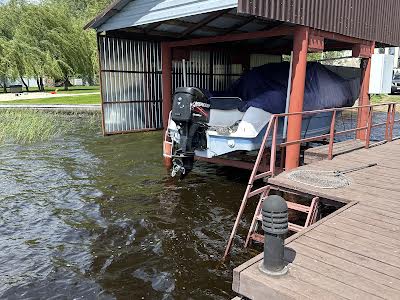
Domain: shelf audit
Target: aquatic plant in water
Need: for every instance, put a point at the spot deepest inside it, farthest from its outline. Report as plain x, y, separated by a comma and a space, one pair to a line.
29, 126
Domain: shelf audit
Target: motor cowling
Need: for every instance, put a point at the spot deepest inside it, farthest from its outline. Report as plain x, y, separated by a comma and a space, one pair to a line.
190, 112
190, 105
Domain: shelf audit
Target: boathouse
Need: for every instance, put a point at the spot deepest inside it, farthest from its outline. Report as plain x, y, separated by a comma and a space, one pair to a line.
148, 48
142, 43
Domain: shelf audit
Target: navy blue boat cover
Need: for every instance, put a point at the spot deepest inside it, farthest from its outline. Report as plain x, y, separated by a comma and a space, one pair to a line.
265, 87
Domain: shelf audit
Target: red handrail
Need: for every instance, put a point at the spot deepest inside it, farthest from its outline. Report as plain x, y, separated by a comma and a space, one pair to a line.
390, 121
273, 129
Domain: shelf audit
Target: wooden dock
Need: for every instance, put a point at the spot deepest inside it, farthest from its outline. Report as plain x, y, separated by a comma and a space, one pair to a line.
313, 155
352, 254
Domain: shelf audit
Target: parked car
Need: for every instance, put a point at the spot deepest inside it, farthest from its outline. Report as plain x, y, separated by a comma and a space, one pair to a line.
396, 84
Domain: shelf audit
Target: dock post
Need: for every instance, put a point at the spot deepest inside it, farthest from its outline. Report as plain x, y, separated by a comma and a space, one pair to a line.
364, 98
300, 49
275, 224
166, 54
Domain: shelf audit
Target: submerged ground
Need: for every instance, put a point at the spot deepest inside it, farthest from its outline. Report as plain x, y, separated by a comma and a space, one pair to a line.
83, 216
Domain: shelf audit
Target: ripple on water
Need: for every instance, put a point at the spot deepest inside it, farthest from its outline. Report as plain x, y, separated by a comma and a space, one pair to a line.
88, 217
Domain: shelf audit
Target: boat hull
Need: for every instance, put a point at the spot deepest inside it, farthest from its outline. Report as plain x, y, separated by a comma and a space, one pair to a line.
224, 144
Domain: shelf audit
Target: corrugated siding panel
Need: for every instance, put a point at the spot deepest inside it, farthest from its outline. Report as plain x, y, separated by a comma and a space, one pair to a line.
131, 85
257, 60
140, 12
373, 20
207, 70
131, 81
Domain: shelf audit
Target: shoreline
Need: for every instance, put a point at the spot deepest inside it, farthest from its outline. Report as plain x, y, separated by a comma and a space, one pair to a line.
54, 107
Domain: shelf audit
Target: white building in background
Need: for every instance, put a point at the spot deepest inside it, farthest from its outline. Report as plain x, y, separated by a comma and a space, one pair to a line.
48, 82
395, 51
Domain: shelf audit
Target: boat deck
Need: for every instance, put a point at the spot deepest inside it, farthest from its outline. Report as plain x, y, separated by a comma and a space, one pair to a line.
352, 254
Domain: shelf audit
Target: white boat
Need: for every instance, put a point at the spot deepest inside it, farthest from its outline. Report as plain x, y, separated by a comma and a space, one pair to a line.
209, 127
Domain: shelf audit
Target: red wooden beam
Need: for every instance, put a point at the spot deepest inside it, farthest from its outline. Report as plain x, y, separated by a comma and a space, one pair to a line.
300, 47
338, 37
166, 55
363, 50
180, 53
364, 94
316, 43
277, 31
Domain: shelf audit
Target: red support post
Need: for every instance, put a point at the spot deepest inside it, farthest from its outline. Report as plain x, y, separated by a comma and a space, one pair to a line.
332, 136
300, 48
364, 95
166, 56
369, 129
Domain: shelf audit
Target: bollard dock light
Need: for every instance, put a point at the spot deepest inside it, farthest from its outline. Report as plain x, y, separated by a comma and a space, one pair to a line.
275, 225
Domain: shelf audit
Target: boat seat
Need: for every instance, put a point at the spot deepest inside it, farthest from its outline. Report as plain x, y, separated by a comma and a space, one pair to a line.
224, 118
226, 103
252, 122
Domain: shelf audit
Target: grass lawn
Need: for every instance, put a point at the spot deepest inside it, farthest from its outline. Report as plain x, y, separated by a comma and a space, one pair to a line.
83, 99
71, 90
76, 90
376, 99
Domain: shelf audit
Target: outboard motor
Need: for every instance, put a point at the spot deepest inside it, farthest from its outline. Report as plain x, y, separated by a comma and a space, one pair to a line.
190, 112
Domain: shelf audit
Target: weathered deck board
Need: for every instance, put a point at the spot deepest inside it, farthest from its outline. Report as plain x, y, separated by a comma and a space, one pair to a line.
315, 154
360, 237
350, 256
350, 283
349, 266
354, 254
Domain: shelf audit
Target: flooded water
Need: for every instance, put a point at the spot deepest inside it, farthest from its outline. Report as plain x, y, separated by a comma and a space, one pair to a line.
88, 217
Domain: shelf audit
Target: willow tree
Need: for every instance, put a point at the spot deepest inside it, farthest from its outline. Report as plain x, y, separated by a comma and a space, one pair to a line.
58, 47
9, 58
44, 39
82, 9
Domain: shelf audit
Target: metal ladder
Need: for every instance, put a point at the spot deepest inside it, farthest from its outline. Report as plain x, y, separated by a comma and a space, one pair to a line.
311, 211
257, 174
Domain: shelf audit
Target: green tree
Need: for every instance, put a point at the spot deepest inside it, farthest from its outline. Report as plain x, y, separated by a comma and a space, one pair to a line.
45, 39
11, 66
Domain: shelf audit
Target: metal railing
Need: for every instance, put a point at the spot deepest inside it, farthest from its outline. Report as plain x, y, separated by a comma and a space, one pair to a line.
367, 129
273, 128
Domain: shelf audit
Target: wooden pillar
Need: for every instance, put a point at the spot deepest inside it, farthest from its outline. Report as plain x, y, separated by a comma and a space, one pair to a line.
300, 48
364, 94
166, 56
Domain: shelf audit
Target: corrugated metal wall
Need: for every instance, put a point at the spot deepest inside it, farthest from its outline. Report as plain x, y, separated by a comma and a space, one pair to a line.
257, 60
374, 20
131, 85
215, 70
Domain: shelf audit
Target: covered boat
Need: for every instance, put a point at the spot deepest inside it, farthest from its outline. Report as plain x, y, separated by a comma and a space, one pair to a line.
209, 124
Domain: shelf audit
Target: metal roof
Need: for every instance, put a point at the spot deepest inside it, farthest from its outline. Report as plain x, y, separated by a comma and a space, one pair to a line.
140, 12
107, 13
372, 20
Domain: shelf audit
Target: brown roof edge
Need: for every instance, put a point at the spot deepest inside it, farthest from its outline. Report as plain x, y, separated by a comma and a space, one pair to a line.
106, 14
